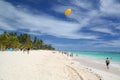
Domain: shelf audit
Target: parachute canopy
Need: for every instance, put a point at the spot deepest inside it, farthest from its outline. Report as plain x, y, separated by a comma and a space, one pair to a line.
68, 12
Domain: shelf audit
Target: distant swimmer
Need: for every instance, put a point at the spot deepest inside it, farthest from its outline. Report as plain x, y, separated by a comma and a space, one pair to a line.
107, 63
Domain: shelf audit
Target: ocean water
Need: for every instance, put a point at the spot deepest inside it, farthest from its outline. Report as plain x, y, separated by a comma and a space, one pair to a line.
114, 56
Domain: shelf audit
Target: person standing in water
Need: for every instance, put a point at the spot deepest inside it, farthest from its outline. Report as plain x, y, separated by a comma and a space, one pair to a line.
107, 63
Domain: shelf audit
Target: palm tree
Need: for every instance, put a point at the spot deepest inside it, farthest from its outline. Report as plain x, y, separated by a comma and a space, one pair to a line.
25, 39
12, 34
37, 44
12, 40
3, 40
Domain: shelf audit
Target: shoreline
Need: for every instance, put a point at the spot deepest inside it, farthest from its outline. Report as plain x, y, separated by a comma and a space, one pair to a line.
99, 60
102, 56
98, 66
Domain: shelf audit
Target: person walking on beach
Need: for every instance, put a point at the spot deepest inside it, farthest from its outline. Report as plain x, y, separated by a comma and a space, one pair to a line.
107, 63
28, 49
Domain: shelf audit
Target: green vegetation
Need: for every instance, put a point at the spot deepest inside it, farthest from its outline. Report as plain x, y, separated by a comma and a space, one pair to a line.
22, 41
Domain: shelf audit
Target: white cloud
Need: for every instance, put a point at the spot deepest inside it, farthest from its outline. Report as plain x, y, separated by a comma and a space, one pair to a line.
112, 43
83, 4
52, 26
4, 25
45, 24
110, 7
87, 45
115, 43
103, 30
118, 26
90, 18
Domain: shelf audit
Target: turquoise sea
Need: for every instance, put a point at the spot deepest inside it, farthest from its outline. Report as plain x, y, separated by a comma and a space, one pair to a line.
114, 56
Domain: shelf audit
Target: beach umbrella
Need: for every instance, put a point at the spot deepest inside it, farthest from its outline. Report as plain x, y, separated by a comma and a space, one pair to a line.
9, 49
68, 12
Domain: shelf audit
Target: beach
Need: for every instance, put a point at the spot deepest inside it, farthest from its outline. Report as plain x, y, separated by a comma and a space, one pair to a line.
49, 65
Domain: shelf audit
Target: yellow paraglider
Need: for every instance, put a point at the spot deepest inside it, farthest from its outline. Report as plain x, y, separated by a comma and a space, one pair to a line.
68, 12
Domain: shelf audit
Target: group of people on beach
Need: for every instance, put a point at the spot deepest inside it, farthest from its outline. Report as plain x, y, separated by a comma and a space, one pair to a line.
28, 49
67, 53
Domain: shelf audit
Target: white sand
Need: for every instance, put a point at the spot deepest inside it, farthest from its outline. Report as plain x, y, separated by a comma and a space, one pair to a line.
41, 65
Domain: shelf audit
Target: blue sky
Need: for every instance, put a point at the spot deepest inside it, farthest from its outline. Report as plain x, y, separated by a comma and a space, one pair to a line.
94, 25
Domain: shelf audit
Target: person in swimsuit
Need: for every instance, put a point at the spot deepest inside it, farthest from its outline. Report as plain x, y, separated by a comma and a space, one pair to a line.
107, 63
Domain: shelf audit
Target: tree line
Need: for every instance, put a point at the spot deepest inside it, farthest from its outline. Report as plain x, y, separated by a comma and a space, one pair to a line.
22, 41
